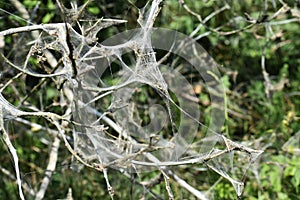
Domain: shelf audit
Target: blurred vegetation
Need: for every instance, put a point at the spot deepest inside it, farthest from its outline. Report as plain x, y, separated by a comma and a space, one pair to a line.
267, 121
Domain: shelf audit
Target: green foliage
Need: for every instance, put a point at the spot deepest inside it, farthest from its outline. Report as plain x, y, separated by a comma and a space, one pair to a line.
224, 191
47, 17
30, 3
252, 116
278, 177
94, 10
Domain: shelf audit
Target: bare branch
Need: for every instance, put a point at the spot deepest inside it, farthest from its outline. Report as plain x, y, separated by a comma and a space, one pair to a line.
13, 152
50, 169
187, 186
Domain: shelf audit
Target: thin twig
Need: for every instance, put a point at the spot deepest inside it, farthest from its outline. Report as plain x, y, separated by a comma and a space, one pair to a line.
25, 185
187, 186
50, 169
20, 8
13, 152
45, 27
109, 188
62, 72
168, 188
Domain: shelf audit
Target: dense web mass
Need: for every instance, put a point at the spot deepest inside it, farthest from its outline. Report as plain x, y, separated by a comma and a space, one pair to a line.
144, 71
142, 146
109, 130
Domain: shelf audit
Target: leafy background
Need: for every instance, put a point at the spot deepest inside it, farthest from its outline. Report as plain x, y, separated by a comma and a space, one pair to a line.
252, 116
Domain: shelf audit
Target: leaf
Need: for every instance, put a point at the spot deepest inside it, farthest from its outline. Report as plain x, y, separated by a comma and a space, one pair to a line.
296, 178
94, 10
47, 17
275, 179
